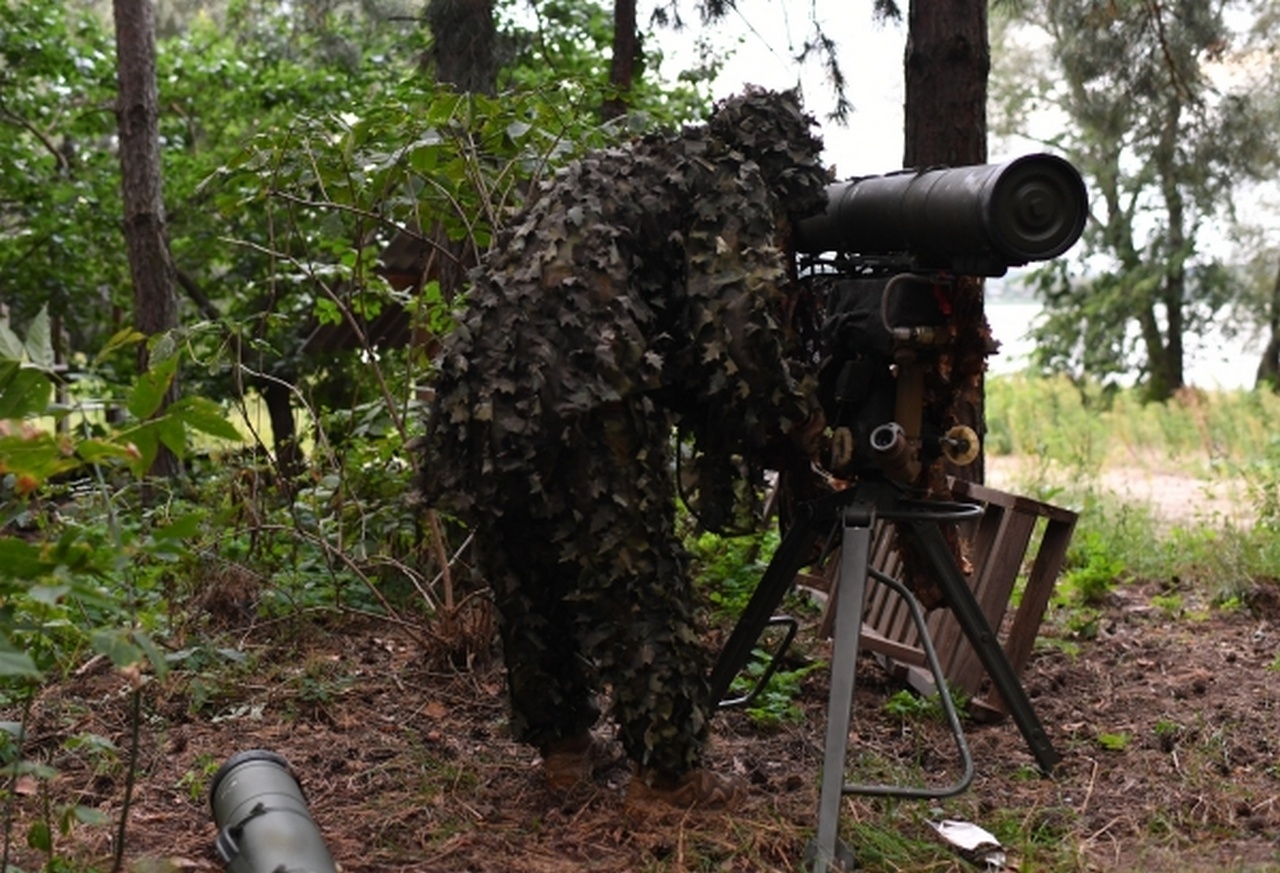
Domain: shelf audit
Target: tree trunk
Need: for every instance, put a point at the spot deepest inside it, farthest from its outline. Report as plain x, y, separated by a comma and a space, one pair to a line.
1165, 356
279, 396
462, 46
464, 36
1165, 359
622, 68
947, 61
155, 305
1158, 385
1269, 366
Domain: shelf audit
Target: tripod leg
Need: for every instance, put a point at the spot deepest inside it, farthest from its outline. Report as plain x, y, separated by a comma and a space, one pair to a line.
778, 578
978, 631
855, 549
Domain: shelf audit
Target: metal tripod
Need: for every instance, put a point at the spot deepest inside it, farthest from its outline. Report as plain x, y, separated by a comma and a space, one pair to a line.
856, 510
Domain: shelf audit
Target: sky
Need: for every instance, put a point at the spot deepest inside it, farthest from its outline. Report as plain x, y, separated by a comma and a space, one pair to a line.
768, 35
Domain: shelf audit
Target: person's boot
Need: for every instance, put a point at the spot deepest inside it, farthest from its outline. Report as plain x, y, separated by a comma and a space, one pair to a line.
569, 761
700, 788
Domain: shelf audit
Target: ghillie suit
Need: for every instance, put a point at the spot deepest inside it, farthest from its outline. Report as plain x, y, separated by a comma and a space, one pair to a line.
642, 289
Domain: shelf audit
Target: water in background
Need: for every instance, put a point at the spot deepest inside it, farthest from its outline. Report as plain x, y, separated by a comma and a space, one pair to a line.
1212, 361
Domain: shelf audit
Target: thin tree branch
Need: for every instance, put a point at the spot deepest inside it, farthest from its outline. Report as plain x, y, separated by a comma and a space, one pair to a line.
63, 165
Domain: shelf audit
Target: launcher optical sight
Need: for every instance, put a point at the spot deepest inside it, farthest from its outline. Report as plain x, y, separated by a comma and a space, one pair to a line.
975, 220
263, 822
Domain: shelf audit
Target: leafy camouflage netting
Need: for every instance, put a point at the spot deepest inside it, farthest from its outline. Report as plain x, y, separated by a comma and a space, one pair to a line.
644, 288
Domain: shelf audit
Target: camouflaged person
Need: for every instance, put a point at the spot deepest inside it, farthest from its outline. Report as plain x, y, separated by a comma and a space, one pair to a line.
642, 289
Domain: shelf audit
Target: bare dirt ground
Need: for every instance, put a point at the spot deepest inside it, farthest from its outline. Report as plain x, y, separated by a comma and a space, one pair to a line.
1174, 496
1168, 722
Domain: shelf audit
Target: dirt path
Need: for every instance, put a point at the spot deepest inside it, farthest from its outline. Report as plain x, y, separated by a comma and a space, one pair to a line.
1174, 496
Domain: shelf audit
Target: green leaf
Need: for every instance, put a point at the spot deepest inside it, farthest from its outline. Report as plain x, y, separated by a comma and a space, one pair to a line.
49, 595
117, 645
27, 393
181, 528
39, 343
150, 388
39, 456
40, 836
172, 434
10, 345
1114, 742
202, 414
125, 337
424, 154
95, 451
146, 439
327, 312
95, 744
91, 816
147, 394
21, 560
30, 768
158, 661
169, 542
234, 655
164, 349
17, 664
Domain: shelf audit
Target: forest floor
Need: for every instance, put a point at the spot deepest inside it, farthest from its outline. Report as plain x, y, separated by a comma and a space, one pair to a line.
1166, 712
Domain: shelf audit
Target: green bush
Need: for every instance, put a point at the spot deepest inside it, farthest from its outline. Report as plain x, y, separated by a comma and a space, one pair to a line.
88, 559
1091, 570
728, 569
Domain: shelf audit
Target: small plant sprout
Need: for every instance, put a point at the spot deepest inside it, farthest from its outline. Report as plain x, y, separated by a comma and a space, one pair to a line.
1114, 742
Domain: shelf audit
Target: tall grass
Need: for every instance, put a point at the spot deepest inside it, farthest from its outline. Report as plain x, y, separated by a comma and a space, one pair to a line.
1085, 426
1064, 436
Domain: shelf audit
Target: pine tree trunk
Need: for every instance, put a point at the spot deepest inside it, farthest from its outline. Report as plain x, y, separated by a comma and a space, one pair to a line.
155, 303
948, 57
622, 68
947, 62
